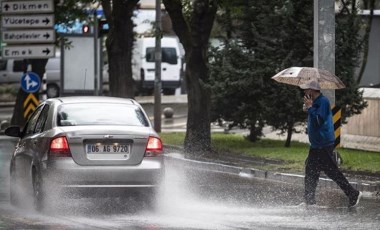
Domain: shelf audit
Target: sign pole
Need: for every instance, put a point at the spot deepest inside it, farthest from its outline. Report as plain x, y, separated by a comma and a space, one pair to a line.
157, 81
324, 39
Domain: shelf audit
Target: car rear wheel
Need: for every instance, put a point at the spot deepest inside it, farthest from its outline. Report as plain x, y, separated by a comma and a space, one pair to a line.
38, 197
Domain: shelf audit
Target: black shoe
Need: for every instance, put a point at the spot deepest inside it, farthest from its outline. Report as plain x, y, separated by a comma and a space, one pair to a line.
308, 203
305, 204
354, 201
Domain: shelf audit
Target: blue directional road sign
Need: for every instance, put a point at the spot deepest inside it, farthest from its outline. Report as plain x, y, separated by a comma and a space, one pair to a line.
30, 82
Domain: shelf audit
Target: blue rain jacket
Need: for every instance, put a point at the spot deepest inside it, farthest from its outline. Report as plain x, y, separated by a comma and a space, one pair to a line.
320, 123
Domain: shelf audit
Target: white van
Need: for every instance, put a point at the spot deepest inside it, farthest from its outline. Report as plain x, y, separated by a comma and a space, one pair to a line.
143, 64
11, 71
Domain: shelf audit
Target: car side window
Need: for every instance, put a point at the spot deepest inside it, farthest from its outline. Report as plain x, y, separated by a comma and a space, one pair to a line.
18, 66
3, 64
32, 121
42, 120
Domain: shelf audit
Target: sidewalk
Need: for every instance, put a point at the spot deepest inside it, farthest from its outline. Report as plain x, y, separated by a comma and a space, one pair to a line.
246, 166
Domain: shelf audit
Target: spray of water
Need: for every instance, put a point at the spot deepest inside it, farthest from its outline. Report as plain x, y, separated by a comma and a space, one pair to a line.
188, 200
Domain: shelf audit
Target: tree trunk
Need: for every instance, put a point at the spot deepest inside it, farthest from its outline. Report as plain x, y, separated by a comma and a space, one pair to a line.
194, 35
255, 132
289, 135
119, 45
198, 133
19, 117
366, 43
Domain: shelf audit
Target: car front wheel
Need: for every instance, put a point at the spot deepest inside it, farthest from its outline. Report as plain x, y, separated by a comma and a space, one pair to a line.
14, 197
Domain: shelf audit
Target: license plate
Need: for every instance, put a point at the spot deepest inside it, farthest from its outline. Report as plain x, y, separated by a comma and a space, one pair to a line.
101, 149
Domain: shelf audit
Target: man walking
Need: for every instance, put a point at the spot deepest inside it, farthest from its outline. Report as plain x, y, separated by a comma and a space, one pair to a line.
321, 137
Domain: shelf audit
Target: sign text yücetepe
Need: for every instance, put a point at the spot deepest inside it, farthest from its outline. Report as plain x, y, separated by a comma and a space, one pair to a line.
16, 21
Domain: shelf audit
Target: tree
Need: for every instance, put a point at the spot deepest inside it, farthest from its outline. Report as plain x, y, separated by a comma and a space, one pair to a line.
193, 30
237, 91
371, 6
349, 47
279, 35
294, 48
275, 35
119, 45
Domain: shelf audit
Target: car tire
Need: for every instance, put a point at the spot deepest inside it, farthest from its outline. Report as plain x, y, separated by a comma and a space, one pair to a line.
168, 91
147, 92
38, 195
13, 195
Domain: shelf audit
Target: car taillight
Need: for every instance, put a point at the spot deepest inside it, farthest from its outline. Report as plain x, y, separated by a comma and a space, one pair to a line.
154, 147
59, 147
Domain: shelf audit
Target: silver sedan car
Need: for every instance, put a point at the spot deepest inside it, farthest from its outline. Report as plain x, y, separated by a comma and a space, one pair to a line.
85, 145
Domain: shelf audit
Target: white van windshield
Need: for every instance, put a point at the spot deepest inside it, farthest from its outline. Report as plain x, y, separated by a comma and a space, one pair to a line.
169, 55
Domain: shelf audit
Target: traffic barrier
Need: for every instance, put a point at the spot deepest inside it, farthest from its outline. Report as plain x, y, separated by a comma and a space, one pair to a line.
337, 119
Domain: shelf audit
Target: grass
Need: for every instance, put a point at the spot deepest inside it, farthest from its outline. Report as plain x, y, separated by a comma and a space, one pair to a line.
293, 157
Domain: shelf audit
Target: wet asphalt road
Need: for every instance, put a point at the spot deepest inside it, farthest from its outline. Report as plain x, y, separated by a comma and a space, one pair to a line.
193, 198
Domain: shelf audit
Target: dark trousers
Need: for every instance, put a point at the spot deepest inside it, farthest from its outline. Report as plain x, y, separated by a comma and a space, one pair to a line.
321, 160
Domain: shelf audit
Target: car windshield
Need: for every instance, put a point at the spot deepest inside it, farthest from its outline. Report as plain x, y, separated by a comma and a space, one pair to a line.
100, 114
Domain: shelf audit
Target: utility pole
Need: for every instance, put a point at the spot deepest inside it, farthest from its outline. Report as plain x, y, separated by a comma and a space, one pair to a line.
157, 80
96, 32
324, 39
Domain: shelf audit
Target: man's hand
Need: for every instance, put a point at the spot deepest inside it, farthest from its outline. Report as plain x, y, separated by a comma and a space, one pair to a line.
307, 101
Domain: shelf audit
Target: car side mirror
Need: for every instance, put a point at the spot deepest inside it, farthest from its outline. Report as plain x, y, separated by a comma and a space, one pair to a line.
13, 131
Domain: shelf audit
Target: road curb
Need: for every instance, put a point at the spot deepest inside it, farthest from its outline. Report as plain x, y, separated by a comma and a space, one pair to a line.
370, 190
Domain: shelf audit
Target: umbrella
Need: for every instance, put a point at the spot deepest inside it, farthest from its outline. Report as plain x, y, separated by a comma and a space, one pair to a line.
300, 75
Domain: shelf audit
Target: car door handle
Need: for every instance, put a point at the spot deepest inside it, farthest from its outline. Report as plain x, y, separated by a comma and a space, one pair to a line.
164, 69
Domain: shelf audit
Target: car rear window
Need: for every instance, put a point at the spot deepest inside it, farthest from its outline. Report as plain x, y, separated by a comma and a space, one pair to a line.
100, 114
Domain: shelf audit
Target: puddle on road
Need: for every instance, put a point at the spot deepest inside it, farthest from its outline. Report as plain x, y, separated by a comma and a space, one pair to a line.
179, 207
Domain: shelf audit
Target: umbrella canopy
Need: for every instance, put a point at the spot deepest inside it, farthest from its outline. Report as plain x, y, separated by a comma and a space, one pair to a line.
300, 75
